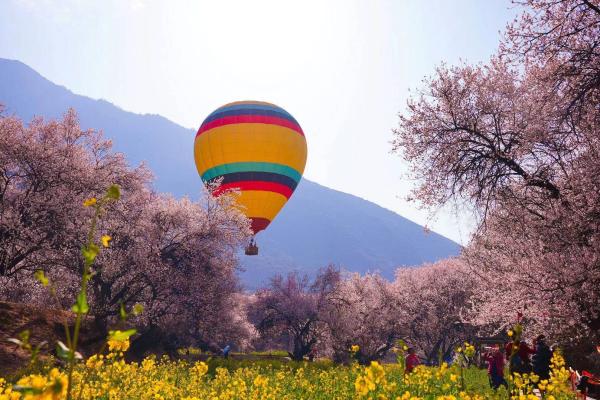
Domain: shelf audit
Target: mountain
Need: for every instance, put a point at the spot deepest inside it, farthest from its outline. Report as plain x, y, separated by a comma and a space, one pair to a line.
318, 226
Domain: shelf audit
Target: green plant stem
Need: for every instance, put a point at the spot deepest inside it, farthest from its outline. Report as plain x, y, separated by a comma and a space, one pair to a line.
84, 281
65, 324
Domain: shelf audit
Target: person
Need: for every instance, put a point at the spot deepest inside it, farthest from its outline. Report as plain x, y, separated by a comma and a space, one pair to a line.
312, 354
517, 354
411, 361
495, 360
540, 361
594, 359
226, 351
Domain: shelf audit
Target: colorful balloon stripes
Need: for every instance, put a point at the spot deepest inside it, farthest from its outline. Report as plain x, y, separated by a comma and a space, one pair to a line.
256, 148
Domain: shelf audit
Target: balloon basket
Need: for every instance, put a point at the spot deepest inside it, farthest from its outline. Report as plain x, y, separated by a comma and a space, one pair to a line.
251, 250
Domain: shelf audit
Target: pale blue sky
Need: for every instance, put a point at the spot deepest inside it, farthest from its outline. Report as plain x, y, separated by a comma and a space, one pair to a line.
342, 68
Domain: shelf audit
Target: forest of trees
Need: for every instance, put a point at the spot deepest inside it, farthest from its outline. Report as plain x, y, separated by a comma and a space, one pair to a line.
517, 139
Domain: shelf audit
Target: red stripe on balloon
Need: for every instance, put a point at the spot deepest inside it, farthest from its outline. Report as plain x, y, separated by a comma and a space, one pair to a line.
258, 224
255, 185
250, 119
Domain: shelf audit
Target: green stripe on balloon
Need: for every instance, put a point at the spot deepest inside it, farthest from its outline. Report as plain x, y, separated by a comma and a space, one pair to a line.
251, 167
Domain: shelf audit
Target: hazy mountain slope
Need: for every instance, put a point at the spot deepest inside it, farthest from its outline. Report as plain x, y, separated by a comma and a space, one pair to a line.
318, 225
162, 144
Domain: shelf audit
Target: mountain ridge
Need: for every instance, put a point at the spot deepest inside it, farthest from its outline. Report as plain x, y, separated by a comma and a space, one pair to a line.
350, 231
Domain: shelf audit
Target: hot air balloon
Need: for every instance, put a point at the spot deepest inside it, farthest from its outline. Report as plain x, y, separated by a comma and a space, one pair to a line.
257, 148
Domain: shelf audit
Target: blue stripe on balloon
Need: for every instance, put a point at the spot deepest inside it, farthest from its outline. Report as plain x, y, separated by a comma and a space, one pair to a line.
252, 106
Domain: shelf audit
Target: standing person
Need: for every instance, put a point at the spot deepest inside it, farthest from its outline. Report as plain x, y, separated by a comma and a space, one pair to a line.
517, 354
541, 359
312, 354
525, 352
226, 351
411, 361
495, 360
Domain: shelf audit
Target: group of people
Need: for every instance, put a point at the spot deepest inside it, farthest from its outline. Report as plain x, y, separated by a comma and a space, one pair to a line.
521, 358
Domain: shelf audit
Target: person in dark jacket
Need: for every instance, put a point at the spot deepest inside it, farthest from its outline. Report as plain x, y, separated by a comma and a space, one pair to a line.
540, 361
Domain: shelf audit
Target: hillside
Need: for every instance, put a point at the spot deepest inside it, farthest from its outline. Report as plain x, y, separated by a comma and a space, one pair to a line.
318, 226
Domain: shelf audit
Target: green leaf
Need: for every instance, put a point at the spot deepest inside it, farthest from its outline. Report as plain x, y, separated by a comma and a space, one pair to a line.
113, 192
121, 336
24, 336
62, 351
40, 277
138, 309
26, 389
57, 387
122, 312
81, 305
89, 253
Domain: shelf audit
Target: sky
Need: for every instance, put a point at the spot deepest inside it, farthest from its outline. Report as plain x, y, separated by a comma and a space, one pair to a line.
344, 69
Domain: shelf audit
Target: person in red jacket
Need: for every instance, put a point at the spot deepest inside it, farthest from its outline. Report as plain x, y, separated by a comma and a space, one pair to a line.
411, 361
517, 354
495, 360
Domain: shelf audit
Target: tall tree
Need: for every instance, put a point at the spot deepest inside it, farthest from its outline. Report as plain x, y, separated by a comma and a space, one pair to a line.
293, 307
438, 298
519, 139
365, 311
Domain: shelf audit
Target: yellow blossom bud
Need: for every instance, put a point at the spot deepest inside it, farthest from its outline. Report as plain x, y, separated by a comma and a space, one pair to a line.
105, 239
90, 202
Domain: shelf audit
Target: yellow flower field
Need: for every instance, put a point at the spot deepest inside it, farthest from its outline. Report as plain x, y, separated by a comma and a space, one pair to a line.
110, 377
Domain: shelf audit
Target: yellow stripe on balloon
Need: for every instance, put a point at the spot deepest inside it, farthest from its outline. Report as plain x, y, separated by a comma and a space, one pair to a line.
261, 204
250, 143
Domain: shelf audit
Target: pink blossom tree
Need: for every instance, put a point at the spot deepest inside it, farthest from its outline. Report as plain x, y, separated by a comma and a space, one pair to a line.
518, 138
365, 311
294, 307
175, 257
437, 298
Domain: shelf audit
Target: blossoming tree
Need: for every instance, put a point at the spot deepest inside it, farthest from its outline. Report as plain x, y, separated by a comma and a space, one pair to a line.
518, 138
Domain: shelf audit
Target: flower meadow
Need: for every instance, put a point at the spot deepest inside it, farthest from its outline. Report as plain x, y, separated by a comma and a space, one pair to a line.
109, 376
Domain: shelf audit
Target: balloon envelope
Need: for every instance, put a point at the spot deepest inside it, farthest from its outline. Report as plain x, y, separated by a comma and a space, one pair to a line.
257, 148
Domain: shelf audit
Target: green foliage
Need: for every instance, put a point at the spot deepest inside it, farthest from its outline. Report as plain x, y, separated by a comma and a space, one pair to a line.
270, 353
121, 336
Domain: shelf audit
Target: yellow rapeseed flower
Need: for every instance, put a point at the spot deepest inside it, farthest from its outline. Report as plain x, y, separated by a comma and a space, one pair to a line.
200, 368
361, 385
118, 345
105, 239
90, 202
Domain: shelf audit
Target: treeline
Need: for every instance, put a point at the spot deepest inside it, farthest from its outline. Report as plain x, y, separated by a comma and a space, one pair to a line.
517, 139
175, 257
328, 315
178, 259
